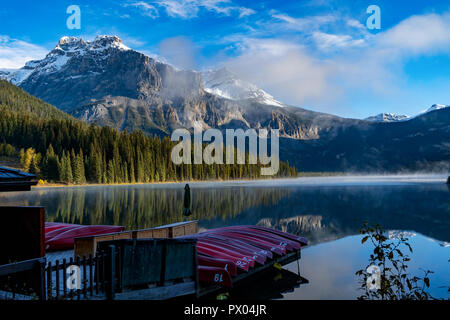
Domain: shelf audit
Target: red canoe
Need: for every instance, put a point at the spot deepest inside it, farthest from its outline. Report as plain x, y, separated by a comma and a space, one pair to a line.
290, 236
215, 275
237, 242
254, 241
227, 251
282, 243
50, 226
218, 263
258, 258
62, 238
241, 264
285, 242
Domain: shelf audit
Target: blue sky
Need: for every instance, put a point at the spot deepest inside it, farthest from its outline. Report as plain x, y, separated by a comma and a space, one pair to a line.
314, 54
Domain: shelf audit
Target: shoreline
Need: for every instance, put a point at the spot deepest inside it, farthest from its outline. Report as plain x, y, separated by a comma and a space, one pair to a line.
410, 176
60, 185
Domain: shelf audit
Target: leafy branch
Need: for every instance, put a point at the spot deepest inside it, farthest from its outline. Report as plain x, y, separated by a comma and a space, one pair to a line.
389, 258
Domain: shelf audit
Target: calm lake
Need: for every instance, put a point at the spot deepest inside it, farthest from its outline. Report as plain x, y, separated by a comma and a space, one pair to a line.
327, 211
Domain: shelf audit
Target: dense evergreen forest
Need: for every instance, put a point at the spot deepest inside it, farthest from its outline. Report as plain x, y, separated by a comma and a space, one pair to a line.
59, 148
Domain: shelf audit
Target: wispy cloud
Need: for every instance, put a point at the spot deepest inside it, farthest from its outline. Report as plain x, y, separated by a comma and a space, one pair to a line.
326, 41
188, 9
283, 68
144, 8
15, 53
316, 66
304, 24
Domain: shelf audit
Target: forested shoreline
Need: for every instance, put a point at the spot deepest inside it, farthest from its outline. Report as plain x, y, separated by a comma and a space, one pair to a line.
59, 148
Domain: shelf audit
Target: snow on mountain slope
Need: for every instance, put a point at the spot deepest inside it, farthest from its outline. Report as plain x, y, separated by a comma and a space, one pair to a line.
66, 49
435, 107
227, 85
388, 117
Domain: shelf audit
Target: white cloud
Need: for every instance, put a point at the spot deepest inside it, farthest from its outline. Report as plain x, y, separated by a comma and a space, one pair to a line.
306, 24
326, 41
144, 8
14, 53
419, 35
179, 51
358, 61
285, 69
188, 9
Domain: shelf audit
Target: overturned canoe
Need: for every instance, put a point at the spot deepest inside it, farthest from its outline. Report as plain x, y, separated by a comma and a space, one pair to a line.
61, 236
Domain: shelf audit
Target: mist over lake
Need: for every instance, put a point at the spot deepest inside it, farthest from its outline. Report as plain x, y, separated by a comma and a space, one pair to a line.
327, 211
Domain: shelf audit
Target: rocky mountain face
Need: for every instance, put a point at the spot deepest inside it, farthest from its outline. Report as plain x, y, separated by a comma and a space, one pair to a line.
419, 144
388, 117
105, 82
391, 117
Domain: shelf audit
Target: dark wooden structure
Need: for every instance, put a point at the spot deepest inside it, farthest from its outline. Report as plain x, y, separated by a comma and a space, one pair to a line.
150, 268
23, 234
24, 277
84, 246
15, 180
23, 241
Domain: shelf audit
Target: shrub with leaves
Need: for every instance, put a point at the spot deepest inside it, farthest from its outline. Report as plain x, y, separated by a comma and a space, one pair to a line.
389, 257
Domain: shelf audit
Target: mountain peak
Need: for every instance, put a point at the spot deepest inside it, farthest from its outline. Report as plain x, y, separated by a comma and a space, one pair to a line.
69, 41
437, 107
101, 42
224, 83
388, 117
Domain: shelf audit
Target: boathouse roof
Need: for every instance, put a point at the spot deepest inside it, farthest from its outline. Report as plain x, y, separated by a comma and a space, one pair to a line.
16, 180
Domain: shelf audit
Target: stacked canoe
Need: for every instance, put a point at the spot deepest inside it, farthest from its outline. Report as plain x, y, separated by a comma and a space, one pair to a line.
225, 252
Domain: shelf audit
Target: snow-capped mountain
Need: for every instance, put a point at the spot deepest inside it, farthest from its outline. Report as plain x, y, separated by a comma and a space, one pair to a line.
226, 84
104, 82
388, 117
67, 48
435, 107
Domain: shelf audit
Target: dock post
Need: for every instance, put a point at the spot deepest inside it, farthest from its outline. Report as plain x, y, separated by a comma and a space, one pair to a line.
110, 292
42, 291
448, 180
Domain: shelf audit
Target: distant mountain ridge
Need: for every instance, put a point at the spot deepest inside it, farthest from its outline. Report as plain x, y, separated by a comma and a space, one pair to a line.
391, 117
387, 117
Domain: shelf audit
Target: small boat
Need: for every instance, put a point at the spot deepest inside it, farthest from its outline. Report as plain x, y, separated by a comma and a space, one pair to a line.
227, 251
218, 263
241, 264
50, 226
299, 239
241, 243
251, 239
62, 237
258, 258
215, 275
278, 238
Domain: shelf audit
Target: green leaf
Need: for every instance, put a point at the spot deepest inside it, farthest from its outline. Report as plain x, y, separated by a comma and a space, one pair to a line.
364, 239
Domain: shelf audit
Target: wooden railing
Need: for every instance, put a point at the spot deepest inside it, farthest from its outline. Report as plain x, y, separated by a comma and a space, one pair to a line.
12, 277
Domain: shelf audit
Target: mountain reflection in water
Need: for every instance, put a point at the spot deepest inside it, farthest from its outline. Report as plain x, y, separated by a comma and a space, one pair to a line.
318, 212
